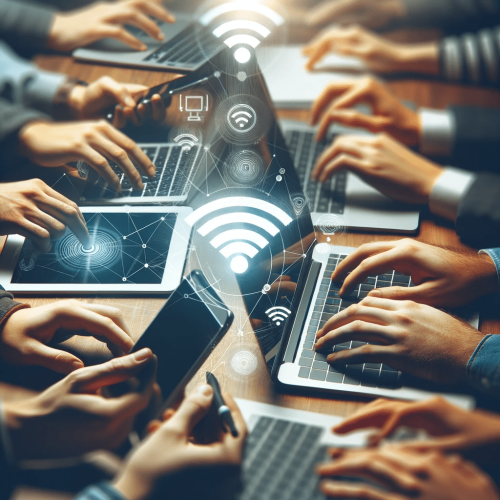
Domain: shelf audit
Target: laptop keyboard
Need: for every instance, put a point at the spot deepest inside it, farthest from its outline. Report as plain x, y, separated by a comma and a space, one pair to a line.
187, 50
327, 197
175, 168
313, 365
279, 461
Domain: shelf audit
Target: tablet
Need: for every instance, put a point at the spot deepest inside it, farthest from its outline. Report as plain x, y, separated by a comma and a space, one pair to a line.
139, 249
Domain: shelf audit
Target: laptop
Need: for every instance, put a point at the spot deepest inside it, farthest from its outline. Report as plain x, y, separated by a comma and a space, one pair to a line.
345, 195
178, 51
282, 449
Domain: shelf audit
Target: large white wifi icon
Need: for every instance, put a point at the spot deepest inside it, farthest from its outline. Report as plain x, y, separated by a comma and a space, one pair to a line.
243, 32
231, 235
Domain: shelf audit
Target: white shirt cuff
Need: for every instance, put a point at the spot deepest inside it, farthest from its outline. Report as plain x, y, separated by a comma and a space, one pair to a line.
448, 191
438, 132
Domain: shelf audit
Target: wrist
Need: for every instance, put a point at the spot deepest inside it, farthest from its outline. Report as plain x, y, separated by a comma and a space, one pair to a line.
132, 486
431, 173
419, 58
75, 99
27, 134
55, 40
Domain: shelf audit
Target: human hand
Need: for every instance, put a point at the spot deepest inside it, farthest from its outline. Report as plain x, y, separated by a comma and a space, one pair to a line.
411, 337
72, 417
39, 213
92, 101
155, 110
26, 333
382, 162
451, 428
443, 277
106, 20
54, 144
378, 53
405, 474
364, 12
389, 115
171, 448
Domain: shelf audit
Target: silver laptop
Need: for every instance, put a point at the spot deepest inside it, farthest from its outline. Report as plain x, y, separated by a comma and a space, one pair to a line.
180, 50
345, 196
283, 448
297, 364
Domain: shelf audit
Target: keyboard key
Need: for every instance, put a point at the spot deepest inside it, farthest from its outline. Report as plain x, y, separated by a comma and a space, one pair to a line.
304, 372
334, 377
389, 380
351, 380
373, 365
320, 357
388, 368
308, 354
370, 377
317, 375
305, 362
320, 365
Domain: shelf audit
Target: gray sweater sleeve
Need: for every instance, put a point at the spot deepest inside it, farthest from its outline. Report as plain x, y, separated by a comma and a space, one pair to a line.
451, 15
472, 57
22, 83
24, 25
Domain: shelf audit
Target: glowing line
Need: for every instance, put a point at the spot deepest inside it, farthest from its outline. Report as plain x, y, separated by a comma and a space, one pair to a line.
241, 119
239, 234
186, 136
277, 313
238, 201
244, 39
240, 217
278, 307
241, 25
241, 113
232, 7
239, 247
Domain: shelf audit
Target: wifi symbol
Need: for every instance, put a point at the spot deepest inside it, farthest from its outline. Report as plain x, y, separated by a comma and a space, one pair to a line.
278, 314
187, 141
242, 121
242, 118
238, 242
236, 32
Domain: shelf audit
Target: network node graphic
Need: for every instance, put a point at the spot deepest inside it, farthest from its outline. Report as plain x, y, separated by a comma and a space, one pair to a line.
298, 204
330, 225
242, 118
278, 314
232, 238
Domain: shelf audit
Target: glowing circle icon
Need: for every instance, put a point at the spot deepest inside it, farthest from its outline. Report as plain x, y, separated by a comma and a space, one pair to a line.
239, 264
242, 55
242, 118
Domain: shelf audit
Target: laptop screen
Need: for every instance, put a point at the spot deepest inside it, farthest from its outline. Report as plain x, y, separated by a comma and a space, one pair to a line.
253, 231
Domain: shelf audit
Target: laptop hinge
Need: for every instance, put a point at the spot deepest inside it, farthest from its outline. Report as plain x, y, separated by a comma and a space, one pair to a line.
301, 315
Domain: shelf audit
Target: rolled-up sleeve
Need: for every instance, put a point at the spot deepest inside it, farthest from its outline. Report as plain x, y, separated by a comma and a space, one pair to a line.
100, 491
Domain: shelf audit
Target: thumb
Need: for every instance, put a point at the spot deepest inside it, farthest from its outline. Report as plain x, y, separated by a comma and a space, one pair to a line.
54, 359
397, 293
193, 409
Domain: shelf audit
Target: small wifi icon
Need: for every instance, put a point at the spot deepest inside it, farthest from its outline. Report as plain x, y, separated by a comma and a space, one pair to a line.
187, 141
241, 120
242, 33
230, 233
278, 314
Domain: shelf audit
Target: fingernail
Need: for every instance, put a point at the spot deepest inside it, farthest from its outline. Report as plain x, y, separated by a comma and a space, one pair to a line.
143, 47
77, 364
142, 355
161, 36
205, 390
375, 293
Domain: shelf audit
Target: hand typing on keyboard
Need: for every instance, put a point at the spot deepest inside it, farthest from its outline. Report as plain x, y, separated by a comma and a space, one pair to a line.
414, 338
442, 277
94, 142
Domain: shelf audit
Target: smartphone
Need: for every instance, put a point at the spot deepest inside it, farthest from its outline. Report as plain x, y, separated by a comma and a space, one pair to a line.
182, 335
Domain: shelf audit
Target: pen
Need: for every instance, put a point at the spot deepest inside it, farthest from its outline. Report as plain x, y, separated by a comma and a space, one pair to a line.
223, 412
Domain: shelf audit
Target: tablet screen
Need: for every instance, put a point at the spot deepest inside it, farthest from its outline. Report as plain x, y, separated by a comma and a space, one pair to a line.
127, 248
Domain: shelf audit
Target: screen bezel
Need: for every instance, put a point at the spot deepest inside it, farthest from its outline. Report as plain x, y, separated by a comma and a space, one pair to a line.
172, 274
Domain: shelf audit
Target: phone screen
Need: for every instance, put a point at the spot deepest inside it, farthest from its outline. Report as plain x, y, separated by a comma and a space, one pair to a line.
183, 333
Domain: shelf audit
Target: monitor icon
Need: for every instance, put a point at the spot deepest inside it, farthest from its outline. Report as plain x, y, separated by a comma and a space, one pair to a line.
194, 105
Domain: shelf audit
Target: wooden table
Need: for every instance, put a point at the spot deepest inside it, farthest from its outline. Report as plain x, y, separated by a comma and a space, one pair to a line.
258, 387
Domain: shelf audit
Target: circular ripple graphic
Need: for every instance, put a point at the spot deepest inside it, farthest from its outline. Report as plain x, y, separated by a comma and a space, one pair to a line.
330, 224
244, 168
244, 362
105, 250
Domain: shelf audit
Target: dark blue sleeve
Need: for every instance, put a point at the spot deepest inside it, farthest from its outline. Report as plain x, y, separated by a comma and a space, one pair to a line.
483, 368
100, 491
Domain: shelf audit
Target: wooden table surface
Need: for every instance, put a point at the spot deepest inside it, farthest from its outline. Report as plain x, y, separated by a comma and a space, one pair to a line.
138, 312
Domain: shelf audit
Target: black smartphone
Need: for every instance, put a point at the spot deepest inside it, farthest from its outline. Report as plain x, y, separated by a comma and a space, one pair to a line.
182, 335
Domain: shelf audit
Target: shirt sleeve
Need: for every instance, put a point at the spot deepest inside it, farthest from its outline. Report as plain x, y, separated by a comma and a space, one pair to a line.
22, 83
100, 491
483, 368
8, 305
448, 192
494, 253
438, 132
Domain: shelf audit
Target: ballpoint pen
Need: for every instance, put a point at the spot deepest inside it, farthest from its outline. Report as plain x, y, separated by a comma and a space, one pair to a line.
223, 412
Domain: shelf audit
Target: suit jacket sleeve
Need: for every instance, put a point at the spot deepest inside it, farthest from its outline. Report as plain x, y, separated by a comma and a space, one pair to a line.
24, 25
478, 217
451, 15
